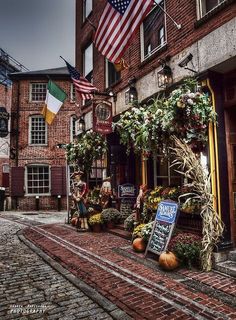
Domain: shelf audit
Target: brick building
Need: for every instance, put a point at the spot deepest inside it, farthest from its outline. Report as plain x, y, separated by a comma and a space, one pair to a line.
200, 41
7, 65
38, 166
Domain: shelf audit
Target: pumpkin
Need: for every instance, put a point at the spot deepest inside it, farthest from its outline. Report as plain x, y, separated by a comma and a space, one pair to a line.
74, 221
139, 245
168, 261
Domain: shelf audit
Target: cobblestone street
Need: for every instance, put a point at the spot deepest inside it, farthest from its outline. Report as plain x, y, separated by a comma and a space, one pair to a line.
31, 289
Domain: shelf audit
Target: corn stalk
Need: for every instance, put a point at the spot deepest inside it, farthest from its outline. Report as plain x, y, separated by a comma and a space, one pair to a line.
189, 165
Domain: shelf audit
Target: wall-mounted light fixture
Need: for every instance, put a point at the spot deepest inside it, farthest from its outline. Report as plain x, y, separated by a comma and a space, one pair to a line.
184, 62
131, 95
164, 76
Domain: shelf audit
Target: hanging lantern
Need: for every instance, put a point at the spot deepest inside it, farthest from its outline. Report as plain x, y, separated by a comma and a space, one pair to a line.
165, 78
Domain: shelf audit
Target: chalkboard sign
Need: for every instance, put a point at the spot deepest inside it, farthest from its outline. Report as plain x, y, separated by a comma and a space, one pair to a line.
163, 227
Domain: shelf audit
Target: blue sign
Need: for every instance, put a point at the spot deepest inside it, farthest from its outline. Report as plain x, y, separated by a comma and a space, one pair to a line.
167, 211
127, 191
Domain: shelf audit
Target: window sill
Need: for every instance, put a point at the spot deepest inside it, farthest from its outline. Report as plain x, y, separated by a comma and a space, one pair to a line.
212, 13
153, 56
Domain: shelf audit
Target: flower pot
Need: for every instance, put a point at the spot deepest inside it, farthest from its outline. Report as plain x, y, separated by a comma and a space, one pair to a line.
96, 227
110, 224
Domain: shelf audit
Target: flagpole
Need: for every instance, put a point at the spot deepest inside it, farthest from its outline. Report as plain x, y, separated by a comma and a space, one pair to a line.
178, 26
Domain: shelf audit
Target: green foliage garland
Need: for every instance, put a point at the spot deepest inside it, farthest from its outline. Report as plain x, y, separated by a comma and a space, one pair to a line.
89, 147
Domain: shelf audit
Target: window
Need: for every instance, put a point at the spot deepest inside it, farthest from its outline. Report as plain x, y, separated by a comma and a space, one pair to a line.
96, 173
165, 175
112, 75
72, 92
207, 5
87, 8
38, 130
88, 63
153, 32
37, 179
38, 92
73, 120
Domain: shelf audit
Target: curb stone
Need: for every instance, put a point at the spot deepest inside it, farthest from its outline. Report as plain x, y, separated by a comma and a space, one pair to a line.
103, 302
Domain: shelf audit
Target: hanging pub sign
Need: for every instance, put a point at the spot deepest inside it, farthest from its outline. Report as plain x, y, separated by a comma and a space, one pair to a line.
163, 226
4, 117
127, 190
102, 116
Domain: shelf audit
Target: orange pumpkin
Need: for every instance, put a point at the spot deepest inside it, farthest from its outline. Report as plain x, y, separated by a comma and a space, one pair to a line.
74, 221
139, 245
168, 261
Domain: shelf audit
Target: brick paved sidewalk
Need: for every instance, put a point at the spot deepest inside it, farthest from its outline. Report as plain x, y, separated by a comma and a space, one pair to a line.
136, 285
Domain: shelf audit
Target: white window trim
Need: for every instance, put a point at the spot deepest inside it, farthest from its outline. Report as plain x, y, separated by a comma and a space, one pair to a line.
30, 93
84, 10
26, 180
71, 127
143, 58
72, 97
29, 133
200, 14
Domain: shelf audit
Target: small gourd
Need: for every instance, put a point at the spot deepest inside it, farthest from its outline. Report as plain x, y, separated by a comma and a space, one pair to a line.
168, 261
139, 245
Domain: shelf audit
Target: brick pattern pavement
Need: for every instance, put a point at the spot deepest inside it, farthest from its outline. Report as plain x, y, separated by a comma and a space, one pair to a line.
31, 289
142, 291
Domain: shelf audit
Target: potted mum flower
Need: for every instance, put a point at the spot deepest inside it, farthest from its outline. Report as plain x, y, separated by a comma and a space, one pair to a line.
95, 222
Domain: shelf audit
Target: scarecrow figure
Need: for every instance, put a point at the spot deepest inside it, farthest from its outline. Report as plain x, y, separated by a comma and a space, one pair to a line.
79, 196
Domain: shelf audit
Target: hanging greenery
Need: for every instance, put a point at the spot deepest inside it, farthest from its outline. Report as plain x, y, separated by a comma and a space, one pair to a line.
190, 167
88, 147
186, 113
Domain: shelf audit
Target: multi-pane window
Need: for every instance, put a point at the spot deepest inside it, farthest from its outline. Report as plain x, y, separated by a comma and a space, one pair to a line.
72, 93
73, 120
96, 173
38, 130
87, 8
207, 5
112, 75
38, 92
38, 179
154, 31
88, 62
164, 174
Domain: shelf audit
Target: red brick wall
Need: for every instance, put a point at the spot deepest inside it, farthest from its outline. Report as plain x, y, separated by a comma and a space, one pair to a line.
184, 12
58, 132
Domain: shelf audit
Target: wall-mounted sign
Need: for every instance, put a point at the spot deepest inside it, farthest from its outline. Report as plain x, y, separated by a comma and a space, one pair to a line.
163, 227
127, 190
102, 116
4, 117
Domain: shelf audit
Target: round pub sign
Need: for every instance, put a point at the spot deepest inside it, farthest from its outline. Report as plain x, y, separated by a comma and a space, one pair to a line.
4, 117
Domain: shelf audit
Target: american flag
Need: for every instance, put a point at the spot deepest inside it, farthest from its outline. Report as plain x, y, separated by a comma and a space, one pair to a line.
82, 85
118, 23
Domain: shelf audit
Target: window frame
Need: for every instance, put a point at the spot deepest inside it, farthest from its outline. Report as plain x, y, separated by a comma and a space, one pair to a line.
108, 85
85, 9
88, 75
38, 165
73, 119
200, 6
30, 131
159, 47
31, 94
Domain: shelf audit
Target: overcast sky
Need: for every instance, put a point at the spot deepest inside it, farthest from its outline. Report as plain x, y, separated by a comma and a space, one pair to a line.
37, 32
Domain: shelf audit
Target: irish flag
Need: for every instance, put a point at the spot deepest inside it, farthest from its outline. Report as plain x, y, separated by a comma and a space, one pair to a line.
54, 100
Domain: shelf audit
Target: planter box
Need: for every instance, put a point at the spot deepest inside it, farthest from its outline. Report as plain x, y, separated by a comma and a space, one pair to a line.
190, 222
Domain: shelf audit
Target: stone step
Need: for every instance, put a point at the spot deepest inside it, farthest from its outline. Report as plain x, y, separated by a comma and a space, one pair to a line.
228, 267
120, 233
120, 226
232, 255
